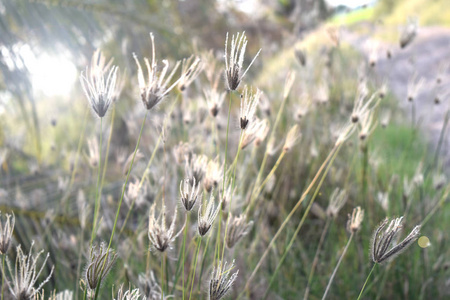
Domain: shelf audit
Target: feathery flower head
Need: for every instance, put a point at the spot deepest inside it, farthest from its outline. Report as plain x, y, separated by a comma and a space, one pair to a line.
195, 168
337, 201
409, 32
136, 194
156, 88
293, 135
206, 216
385, 117
189, 193
93, 149
368, 125
25, 274
382, 239
159, 235
214, 99
99, 90
355, 220
345, 132
249, 102
235, 60
414, 86
6, 231
258, 129
101, 261
226, 195
362, 106
288, 83
213, 174
190, 68
237, 228
130, 294
221, 281
149, 286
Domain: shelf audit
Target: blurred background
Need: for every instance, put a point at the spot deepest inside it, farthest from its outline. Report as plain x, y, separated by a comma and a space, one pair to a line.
45, 120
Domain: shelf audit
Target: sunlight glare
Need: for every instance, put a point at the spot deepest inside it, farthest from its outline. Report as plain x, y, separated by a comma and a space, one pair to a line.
51, 75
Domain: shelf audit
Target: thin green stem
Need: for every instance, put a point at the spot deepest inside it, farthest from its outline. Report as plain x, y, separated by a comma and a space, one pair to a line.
316, 258
217, 248
183, 253
337, 267
283, 225
105, 164
3, 276
75, 165
367, 280
162, 276
233, 183
195, 266
97, 198
305, 214
441, 138
121, 197
203, 261
437, 206
259, 189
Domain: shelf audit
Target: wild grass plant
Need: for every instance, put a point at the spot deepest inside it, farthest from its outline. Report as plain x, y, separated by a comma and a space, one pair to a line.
206, 188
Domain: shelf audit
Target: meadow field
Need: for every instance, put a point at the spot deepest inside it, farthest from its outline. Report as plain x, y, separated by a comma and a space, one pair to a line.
203, 150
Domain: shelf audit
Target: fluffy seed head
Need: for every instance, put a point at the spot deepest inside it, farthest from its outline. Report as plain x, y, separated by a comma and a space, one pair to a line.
206, 216
190, 68
149, 286
221, 281
99, 90
189, 193
6, 231
195, 168
355, 220
159, 235
101, 261
235, 59
130, 294
213, 175
257, 130
156, 88
249, 102
237, 228
337, 201
25, 274
409, 32
292, 137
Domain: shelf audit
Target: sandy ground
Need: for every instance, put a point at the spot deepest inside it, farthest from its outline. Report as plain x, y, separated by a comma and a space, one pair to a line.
428, 56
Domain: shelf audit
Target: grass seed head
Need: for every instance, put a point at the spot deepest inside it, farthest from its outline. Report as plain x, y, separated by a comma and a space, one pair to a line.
6, 231
249, 102
409, 32
99, 90
383, 237
355, 220
190, 68
206, 218
101, 261
337, 201
159, 235
237, 228
189, 193
234, 60
157, 87
25, 274
221, 281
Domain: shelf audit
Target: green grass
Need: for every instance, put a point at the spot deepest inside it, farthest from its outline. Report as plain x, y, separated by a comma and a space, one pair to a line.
354, 16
